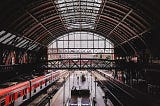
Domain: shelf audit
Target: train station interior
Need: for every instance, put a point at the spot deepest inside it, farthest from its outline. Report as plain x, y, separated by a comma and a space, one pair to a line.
79, 53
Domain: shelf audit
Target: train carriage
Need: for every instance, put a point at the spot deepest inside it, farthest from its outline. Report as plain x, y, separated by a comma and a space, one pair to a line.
15, 95
37, 84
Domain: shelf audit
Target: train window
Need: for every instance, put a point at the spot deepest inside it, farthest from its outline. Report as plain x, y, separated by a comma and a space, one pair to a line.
46, 82
3, 102
24, 97
34, 90
41, 83
19, 94
41, 87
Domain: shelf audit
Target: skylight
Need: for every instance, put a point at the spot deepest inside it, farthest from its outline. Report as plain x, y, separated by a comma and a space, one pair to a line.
79, 13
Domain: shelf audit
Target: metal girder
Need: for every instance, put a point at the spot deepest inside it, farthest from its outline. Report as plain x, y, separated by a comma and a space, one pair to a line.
39, 22
53, 30
100, 12
42, 19
137, 36
78, 63
59, 15
104, 6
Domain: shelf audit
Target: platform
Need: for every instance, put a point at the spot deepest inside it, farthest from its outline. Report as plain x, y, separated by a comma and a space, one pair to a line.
75, 81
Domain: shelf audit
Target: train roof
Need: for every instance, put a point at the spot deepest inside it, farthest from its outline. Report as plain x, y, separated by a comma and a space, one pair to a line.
37, 78
7, 84
12, 88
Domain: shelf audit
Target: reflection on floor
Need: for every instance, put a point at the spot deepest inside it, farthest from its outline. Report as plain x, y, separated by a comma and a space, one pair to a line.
75, 81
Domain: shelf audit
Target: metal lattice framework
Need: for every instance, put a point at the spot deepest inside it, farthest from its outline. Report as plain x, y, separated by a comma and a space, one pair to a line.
121, 21
76, 63
79, 63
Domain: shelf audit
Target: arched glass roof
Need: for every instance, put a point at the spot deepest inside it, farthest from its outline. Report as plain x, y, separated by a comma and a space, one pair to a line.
81, 45
79, 14
124, 22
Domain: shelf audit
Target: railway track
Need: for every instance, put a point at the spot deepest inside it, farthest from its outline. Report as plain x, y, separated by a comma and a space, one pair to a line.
121, 95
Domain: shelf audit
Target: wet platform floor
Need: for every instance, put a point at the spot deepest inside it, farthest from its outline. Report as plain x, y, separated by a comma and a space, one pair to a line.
75, 81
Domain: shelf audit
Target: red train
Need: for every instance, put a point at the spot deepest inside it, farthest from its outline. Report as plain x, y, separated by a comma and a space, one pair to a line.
15, 95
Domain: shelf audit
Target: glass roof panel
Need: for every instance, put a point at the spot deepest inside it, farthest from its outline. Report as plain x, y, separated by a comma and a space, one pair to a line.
2, 32
79, 14
17, 41
9, 39
33, 46
5, 36
21, 42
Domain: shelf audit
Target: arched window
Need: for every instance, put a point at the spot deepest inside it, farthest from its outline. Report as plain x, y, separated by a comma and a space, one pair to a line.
81, 45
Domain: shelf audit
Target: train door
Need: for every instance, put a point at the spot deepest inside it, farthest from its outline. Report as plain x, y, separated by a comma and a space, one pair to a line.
25, 94
11, 99
34, 90
53, 77
46, 82
49, 80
